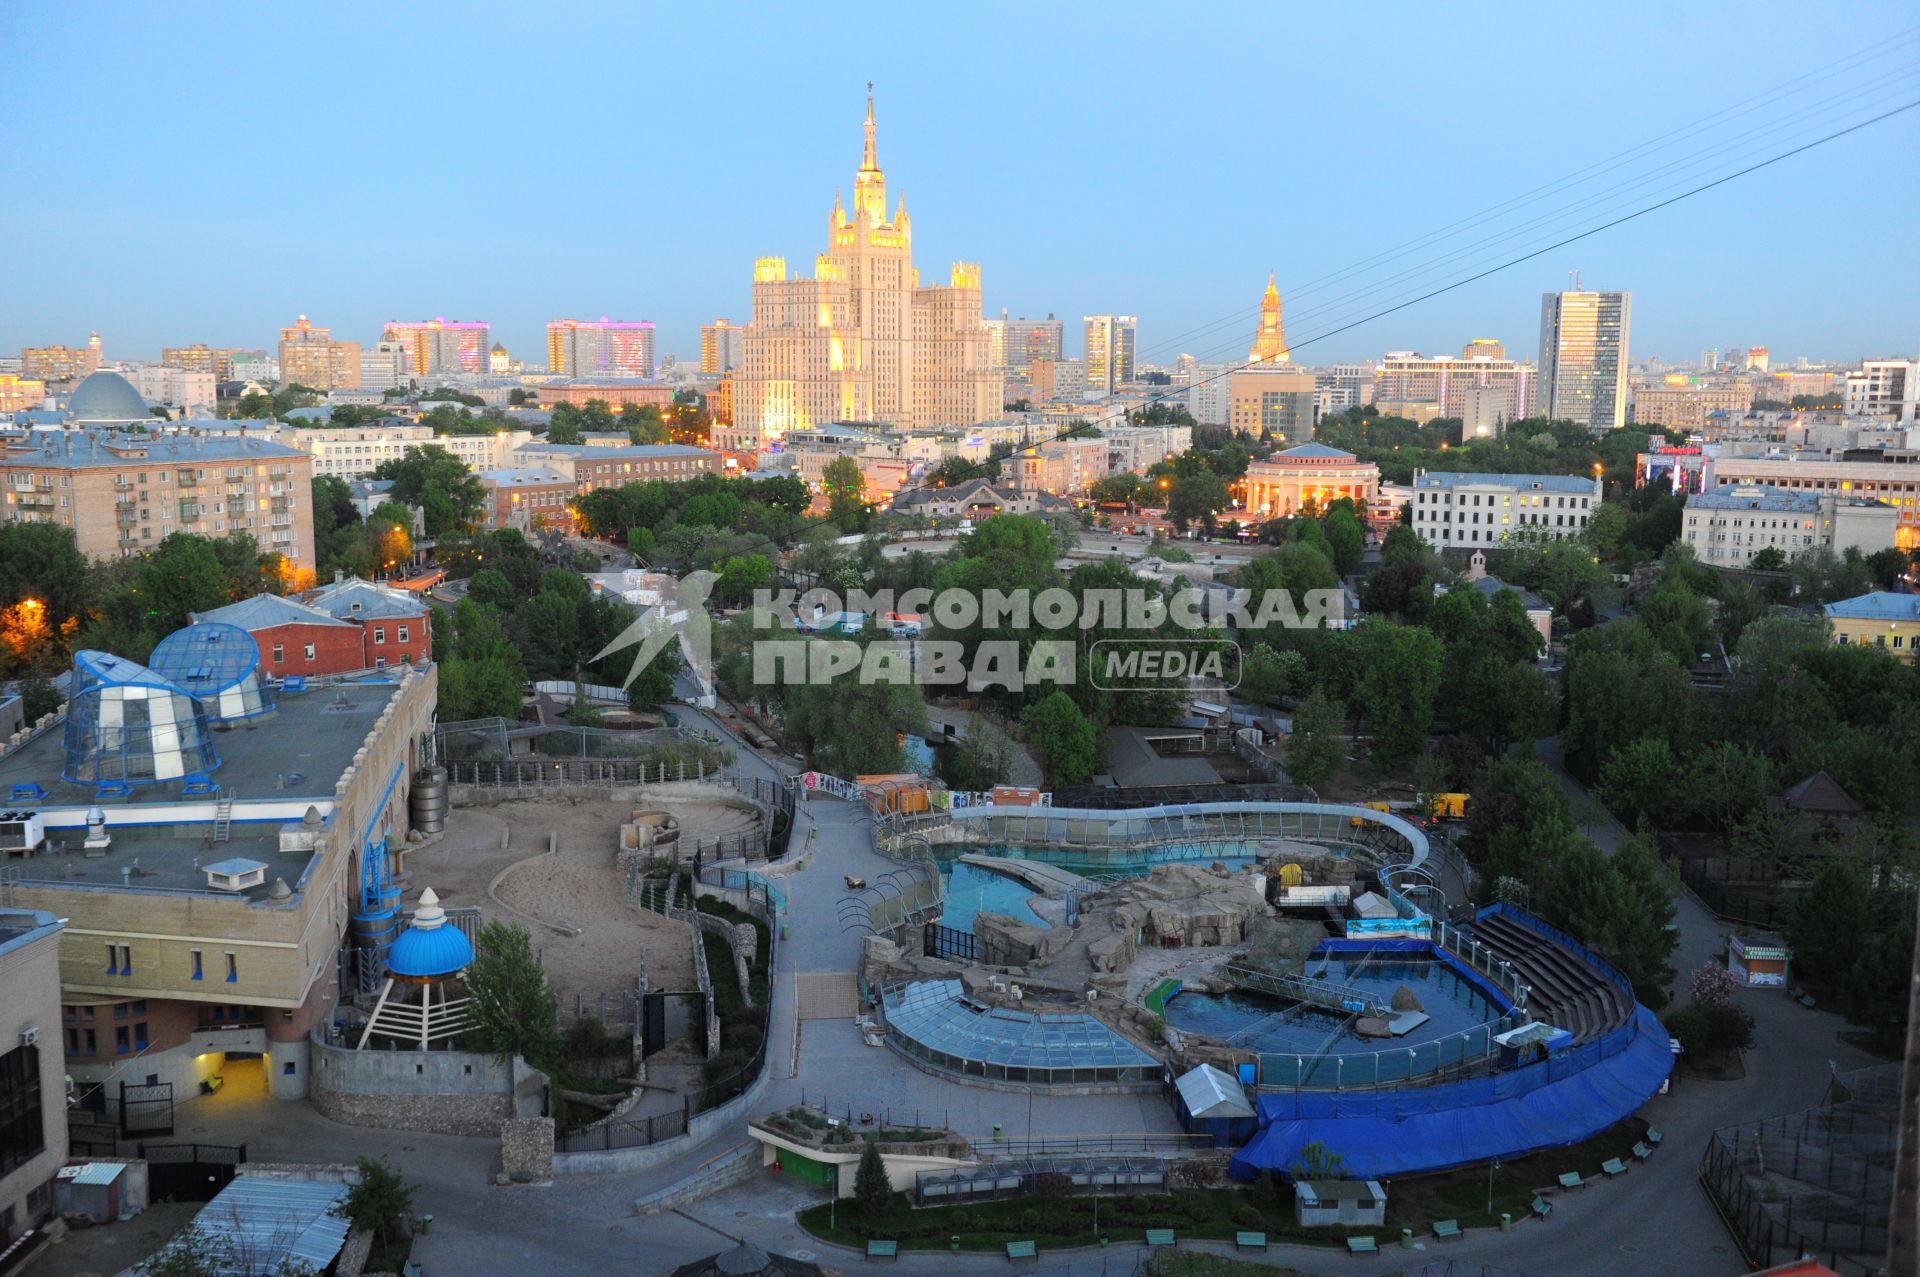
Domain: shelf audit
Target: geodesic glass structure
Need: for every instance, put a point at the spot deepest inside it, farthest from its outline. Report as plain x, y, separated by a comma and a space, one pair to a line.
126, 725
216, 664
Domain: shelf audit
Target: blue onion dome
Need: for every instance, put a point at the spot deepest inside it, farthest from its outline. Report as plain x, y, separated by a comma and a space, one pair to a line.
429, 949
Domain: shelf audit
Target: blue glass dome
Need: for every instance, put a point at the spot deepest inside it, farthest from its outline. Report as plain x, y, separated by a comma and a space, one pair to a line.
429, 949
126, 725
107, 396
218, 665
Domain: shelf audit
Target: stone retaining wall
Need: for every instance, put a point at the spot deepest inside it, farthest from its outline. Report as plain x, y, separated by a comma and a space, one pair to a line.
441, 1092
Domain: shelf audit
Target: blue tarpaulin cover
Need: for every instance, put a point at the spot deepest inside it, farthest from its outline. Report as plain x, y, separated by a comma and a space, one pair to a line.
1545, 1105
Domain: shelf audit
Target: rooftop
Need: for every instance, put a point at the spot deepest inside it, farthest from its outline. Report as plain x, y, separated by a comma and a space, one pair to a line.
104, 449
264, 611
523, 474
632, 452
1492, 585
354, 598
1877, 606
280, 764
1769, 500
1312, 452
1581, 484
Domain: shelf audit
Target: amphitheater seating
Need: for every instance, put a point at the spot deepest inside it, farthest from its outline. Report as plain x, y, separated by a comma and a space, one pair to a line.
1564, 989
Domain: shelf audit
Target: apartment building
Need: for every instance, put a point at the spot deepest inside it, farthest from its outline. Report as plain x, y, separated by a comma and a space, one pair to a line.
1473, 511
588, 467
125, 493
1728, 526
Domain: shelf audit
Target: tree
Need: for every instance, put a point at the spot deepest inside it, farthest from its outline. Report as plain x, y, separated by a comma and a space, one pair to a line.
1768, 560
510, 1006
183, 575
428, 476
1195, 499
1346, 539
1399, 681
490, 588
1877, 992
1314, 748
1064, 737
870, 1186
1828, 920
1267, 675
1402, 545
380, 1200
842, 481
1641, 781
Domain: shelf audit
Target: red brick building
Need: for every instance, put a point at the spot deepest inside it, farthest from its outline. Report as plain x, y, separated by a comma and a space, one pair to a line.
347, 626
528, 498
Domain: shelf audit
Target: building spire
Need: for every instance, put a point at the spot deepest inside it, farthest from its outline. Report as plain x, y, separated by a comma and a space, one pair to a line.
1270, 340
870, 162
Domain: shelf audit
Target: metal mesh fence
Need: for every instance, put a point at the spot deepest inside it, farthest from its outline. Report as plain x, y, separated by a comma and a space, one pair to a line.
1816, 1184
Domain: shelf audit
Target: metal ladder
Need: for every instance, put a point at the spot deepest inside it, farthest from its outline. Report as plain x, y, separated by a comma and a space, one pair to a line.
222, 817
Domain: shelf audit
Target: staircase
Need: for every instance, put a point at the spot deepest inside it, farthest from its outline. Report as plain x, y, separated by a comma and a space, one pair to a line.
223, 817
1564, 990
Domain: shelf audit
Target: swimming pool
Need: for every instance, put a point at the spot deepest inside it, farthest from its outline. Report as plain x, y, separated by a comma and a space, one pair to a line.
972, 890
1264, 1025
1133, 861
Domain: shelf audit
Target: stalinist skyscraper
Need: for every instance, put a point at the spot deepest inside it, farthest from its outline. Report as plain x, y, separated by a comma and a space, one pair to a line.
1270, 343
861, 339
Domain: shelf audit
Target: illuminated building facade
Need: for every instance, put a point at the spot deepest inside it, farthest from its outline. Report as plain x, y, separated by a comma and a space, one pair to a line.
1583, 357
1486, 391
1270, 342
720, 344
200, 357
587, 349
860, 339
17, 392
1683, 404
1110, 343
443, 345
310, 356
61, 363
1311, 474
1274, 403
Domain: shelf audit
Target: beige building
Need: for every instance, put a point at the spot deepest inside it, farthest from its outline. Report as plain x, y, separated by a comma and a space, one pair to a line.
591, 467
1463, 510
18, 393
1060, 466
1273, 403
200, 357
1270, 341
310, 356
33, 1093
1682, 404
719, 348
1895, 482
1879, 619
354, 452
1728, 526
124, 494
195, 948
861, 339
1486, 391
61, 363
1312, 474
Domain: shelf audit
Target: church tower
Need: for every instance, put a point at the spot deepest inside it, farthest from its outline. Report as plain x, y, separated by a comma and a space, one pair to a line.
1270, 343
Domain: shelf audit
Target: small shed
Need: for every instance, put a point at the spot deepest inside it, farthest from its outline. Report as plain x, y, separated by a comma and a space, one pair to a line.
1325, 1203
91, 1189
1210, 1101
1761, 962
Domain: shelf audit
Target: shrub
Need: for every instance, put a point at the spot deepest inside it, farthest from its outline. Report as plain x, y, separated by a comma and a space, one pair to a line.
1729, 1026
1714, 985
1689, 1024
870, 1186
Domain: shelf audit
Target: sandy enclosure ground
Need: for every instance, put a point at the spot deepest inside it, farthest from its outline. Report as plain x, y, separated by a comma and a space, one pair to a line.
578, 886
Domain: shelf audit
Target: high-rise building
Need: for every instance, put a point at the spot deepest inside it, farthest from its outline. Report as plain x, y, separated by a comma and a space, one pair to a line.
310, 356
1270, 342
442, 345
61, 363
1884, 388
1583, 357
601, 348
1758, 359
1110, 343
1710, 359
1484, 391
1013, 344
388, 366
720, 344
861, 339
199, 357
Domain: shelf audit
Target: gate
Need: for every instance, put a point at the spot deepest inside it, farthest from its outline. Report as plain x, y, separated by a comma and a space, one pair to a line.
946, 942
146, 1108
89, 1138
653, 1023
190, 1172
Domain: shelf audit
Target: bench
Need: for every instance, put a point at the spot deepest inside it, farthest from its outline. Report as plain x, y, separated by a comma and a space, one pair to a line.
1540, 1206
1642, 1151
1654, 1136
1021, 1250
883, 1250
1613, 1166
1362, 1246
1250, 1241
1572, 1180
1160, 1237
1444, 1228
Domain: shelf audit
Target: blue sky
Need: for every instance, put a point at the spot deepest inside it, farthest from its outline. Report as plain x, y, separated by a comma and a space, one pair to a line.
206, 172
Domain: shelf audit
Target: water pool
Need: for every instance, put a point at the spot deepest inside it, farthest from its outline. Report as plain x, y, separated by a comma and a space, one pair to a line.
1265, 1025
1134, 861
972, 890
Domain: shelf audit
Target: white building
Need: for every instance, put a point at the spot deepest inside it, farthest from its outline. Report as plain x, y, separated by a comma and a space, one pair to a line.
188, 390
1135, 448
387, 365
1728, 526
1209, 393
355, 452
1881, 388
1469, 511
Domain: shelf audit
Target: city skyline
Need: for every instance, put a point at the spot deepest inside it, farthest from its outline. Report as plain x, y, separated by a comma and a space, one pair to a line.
1725, 268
